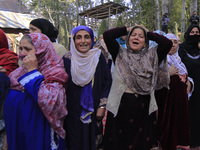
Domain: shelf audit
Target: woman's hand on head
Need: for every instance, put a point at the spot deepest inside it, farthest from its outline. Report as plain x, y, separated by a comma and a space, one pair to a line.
3, 70
129, 29
173, 70
30, 62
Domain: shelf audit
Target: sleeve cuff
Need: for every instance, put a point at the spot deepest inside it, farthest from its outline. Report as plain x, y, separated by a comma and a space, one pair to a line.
29, 76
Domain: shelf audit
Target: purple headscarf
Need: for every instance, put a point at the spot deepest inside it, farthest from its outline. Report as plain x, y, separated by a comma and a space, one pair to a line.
76, 29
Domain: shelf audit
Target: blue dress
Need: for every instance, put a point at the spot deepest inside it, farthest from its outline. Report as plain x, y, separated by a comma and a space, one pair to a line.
26, 126
4, 89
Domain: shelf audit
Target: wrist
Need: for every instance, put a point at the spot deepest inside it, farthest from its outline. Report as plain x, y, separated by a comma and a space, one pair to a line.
103, 107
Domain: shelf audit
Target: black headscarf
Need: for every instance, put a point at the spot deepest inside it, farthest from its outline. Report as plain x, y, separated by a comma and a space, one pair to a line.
190, 45
46, 28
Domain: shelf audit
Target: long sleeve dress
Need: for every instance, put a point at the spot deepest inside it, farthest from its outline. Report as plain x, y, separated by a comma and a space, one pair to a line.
193, 66
173, 115
80, 136
26, 125
132, 128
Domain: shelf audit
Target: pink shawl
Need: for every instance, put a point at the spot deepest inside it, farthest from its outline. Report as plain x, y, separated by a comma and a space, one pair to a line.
51, 95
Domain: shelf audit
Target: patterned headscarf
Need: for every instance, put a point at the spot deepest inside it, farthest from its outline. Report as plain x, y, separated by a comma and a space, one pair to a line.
140, 70
174, 59
8, 59
51, 66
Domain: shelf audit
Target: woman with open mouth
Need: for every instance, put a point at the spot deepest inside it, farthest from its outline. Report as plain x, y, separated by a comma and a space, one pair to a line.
139, 70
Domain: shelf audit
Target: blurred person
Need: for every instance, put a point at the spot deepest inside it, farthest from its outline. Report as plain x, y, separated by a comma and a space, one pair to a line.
46, 27
190, 56
35, 109
87, 90
165, 23
173, 109
122, 41
8, 63
194, 19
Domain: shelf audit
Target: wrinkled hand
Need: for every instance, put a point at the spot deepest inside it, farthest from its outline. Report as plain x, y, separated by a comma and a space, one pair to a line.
189, 86
173, 70
30, 62
3, 70
100, 113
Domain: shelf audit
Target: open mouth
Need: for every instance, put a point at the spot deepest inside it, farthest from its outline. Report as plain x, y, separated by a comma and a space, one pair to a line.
83, 46
135, 43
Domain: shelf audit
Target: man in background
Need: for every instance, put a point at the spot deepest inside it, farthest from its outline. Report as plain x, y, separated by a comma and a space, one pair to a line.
194, 19
165, 22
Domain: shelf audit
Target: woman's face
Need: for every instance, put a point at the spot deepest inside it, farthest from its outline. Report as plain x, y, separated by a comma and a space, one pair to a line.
137, 40
26, 48
174, 47
83, 41
34, 29
194, 31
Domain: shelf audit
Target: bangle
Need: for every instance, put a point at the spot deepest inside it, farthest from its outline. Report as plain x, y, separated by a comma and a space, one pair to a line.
103, 107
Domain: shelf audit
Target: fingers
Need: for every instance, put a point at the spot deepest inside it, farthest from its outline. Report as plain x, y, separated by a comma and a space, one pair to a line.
30, 62
3, 70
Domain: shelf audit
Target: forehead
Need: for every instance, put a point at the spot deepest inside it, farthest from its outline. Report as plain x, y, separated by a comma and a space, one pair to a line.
195, 29
138, 30
24, 42
174, 40
82, 32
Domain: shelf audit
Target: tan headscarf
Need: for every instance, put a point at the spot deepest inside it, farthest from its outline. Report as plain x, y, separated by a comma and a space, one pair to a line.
140, 70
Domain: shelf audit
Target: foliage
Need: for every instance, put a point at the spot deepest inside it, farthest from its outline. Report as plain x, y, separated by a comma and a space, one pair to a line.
103, 27
83, 22
63, 14
119, 22
175, 28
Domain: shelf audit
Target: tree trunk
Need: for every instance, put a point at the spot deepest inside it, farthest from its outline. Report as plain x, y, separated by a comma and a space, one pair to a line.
169, 7
164, 7
183, 17
77, 12
133, 10
157, 14
193, 6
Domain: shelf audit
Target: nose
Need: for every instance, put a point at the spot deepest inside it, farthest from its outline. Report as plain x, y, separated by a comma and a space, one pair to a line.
23, 52
83, 39
136, 36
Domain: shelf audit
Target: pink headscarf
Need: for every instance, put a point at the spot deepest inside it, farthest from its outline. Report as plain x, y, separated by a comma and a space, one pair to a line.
51, 95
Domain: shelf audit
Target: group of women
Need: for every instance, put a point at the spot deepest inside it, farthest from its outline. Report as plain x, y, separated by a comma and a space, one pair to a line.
58, 102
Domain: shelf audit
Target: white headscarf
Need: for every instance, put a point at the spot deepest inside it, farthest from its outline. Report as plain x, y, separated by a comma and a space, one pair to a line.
174, 59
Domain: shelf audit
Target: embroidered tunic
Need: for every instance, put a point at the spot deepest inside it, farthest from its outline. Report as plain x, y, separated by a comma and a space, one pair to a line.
26, 125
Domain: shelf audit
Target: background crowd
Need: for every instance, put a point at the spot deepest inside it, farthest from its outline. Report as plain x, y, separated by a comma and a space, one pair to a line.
145, 82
